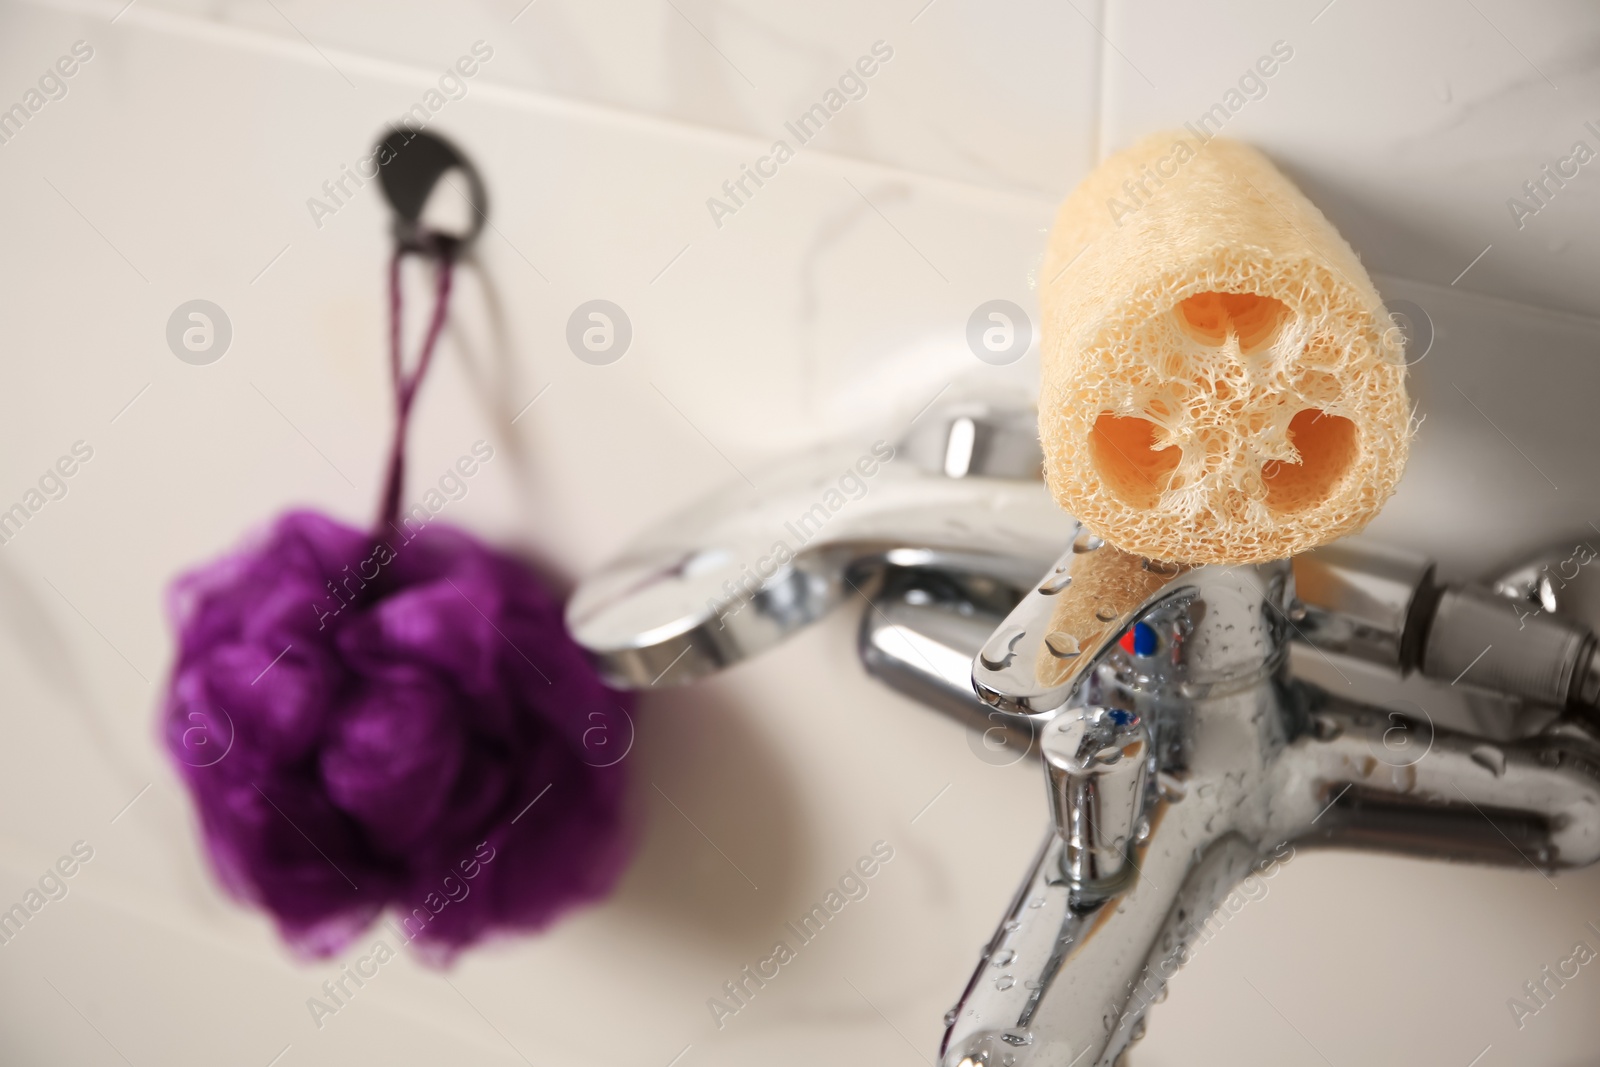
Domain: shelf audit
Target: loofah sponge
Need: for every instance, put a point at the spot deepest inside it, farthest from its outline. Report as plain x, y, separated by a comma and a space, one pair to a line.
1220, 380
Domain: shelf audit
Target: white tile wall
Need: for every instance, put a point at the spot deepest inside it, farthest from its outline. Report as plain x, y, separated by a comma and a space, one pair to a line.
968, 87
1411, 125
179, 165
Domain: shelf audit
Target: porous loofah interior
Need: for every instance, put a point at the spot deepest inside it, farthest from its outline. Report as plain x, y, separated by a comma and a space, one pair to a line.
1218, 382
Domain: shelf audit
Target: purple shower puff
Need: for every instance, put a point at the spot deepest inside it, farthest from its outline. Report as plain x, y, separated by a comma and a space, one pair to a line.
398, 723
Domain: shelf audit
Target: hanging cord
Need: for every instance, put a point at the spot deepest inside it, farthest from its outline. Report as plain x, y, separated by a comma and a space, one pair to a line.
442, 251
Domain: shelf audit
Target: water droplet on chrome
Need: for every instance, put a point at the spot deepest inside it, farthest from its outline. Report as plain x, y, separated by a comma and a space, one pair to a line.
1085, 542
1005, 957
1490, 758
1056, 582
1001, 649
1004, 982
1061, 644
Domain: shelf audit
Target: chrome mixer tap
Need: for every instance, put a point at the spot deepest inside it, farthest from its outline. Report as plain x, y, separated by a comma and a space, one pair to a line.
1180, 760
1186, 729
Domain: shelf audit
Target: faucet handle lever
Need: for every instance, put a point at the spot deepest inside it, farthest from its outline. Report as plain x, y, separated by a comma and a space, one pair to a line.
1058, 631
1095, 762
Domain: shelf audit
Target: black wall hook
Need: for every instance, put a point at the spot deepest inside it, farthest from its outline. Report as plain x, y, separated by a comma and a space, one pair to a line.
411, 162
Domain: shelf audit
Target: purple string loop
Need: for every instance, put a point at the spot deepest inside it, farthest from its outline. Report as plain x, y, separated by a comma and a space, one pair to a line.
442, 251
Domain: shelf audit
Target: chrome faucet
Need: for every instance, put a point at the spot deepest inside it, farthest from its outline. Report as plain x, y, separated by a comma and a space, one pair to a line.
1177, 711
1180, 760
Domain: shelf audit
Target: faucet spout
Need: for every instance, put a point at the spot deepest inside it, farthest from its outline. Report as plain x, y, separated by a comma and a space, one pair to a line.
1064, 981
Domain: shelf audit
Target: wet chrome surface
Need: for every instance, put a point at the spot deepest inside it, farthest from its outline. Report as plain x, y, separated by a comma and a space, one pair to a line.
1188, 734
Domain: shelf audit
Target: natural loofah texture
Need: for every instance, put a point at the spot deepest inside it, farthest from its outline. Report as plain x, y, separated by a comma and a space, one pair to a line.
1220, 380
